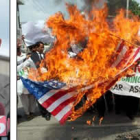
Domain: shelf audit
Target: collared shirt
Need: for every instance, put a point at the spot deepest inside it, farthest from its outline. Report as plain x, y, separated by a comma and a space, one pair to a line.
41, 56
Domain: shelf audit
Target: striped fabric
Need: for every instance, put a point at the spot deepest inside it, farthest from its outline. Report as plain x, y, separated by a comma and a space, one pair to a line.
58, 98
125, 57
53, 95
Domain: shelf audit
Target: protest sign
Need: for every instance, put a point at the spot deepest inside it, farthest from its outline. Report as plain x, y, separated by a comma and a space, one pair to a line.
129, 86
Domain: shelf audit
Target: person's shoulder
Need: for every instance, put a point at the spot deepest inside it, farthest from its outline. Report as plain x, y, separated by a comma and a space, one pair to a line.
34, 53
23, 54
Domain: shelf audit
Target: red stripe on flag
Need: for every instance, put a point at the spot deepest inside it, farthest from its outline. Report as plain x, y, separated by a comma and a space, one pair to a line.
120, 47
131, 59
138, 59
136, 52
56, 96
125, 58
117, 53
62, 105
64, 118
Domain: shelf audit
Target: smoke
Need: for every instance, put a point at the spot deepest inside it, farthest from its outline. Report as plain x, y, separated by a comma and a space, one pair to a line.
64, 1
57, 2
88, 4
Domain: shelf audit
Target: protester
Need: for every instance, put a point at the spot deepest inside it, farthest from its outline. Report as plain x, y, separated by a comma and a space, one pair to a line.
119, 107
101, 108
27, 99
36, 57
127, 103
18, 62
40, 49
39, 52
104, 103
131, 106
109, 100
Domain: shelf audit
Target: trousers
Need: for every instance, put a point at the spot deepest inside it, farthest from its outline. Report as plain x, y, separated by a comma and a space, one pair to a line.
29, 103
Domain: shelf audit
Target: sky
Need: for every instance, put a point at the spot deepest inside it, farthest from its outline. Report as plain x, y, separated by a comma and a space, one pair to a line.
42, 9
138, 1
4, 27
32, 10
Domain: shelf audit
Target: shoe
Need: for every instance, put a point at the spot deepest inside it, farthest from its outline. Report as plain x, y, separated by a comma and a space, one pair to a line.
32, 114
19, 116
110, 109
117, 112
28, 117
47, 117
43, 114
131, 117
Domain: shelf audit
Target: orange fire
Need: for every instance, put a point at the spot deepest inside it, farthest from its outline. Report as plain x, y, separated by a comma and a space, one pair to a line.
100, 121
93, 64
89, 122
93, 119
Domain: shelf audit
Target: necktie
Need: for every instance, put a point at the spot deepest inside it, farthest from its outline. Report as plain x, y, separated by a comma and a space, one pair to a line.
41, 56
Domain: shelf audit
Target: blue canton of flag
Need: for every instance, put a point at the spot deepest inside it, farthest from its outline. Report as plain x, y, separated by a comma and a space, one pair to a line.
52, 84
38, 89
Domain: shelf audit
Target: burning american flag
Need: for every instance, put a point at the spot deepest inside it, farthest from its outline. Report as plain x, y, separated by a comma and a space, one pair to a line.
107, 55
58, 98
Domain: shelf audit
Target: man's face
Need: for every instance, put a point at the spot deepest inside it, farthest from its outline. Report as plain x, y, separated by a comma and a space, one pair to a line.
18, 45
41, 48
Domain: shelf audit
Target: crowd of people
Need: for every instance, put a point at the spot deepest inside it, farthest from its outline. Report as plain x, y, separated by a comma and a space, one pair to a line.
120, 104
110, 102
32, 59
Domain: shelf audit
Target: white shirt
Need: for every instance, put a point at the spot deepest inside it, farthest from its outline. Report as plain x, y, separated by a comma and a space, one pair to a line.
27, 63
20, 67
21, 58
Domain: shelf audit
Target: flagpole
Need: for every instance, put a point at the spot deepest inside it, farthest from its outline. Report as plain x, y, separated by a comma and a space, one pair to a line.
127, 8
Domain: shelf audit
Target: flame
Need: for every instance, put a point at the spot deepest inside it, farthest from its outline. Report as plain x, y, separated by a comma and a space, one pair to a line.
100, 120
89, 122
34, 74
93, 119
94, 63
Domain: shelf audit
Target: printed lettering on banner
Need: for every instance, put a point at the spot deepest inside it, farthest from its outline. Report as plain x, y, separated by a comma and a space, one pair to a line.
129, 86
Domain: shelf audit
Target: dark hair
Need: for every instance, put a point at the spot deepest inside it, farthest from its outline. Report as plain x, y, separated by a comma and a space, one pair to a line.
38, 43
18, 49
32, 46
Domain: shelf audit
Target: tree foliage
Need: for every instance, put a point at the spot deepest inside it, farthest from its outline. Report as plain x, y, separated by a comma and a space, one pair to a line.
134, 7
115, 5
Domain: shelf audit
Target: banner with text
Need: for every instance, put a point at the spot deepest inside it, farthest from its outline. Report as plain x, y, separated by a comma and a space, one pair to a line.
129, 86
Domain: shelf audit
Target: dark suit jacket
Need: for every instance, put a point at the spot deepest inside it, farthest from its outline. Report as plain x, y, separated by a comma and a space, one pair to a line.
36, 59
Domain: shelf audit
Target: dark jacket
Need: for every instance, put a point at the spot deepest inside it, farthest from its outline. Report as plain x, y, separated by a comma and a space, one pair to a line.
36, 59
